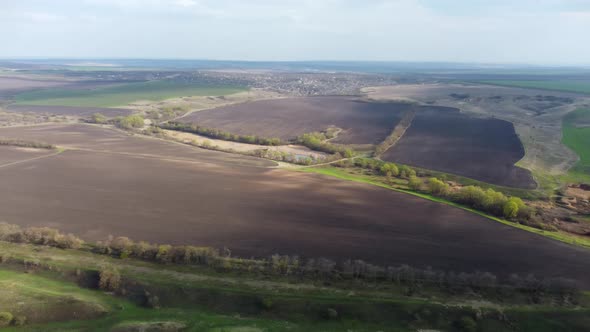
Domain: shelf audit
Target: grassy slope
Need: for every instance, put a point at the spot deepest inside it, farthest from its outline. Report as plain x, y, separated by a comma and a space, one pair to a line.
198, 291
343, 174
578, 139
46, 294
214, 291
121, 94
556, 85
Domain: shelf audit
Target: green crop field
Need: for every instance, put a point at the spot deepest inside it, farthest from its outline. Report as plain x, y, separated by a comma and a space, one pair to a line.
576, 136
557, 85
119, 95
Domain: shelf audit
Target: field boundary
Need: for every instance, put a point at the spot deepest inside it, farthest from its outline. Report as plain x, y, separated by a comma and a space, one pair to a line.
504, 83
396, 134
59, 151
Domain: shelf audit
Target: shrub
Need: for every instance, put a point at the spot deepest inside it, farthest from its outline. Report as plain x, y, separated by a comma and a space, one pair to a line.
19, 320
5, 318
406, 171
510, 209
110, 279
151, 300
331, 313
69, 241
266, 303
437, 187
98, 118
163, 254
389, 169
131, 121
122, 245
467, 324
512, 206
414, 183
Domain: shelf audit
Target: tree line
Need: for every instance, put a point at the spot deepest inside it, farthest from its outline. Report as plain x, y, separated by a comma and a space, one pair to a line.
26, 144
39, 235
488, 200
327, 269
219, 134
318, 141
284, 265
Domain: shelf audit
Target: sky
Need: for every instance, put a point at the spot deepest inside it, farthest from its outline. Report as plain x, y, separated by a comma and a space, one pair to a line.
541, 32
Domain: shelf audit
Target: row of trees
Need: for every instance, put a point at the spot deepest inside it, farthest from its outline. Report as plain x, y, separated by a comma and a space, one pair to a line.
318, 141
488, 200
39, 235
285, 265
380, 167
323, 268
395, 135
287, 157
26, 144
220, 134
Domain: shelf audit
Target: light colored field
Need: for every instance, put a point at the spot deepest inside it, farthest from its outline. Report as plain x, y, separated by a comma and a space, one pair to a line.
199, 103
242, 147
537, 123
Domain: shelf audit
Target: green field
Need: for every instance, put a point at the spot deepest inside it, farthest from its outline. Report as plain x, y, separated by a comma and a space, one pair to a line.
556, 85
576, 136
122, 94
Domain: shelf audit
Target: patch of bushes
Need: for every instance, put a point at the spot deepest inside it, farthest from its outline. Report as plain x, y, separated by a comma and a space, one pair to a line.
493, 202
129, 122
489, 201
5, 318
39, 235
98, 118
286, 157
109, 279
123, 122
317, 141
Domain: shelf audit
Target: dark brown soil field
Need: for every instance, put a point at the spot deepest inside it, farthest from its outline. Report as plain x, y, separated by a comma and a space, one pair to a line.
12, 154
207, 199
69, 110
363, 122
99, 139
443, 139
20, 84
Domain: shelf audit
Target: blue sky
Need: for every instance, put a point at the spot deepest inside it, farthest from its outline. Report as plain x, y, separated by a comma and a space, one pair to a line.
501, 31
